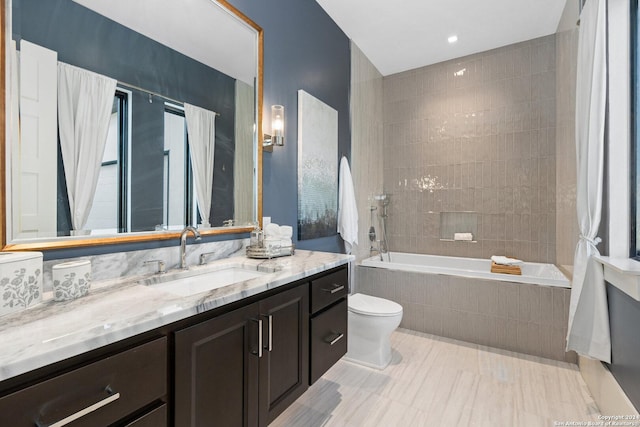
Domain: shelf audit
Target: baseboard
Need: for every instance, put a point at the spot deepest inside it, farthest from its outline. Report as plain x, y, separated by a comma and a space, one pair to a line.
609, 396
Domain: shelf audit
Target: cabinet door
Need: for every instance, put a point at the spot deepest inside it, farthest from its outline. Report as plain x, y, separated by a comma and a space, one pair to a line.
216, 371
284, 367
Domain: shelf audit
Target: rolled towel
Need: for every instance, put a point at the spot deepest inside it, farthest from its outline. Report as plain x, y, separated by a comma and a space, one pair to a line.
272, 230
286, 231
503, 260
463, 236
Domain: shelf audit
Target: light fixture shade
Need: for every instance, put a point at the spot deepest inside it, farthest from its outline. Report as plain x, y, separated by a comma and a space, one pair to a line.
277, 124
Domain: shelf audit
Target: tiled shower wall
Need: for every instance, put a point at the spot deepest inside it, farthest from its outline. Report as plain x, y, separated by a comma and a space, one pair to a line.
474, 134
566, 222
366, 141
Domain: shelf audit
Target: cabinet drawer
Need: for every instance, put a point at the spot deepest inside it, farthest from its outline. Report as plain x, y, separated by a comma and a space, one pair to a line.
328, 289
154, 418
328, 339
97, 394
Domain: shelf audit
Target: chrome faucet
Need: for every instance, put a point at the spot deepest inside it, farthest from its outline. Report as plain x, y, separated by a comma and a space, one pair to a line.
183, 244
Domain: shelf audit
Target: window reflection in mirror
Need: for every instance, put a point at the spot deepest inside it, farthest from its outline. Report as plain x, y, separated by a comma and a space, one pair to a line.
108, 212
178, 178
146, 182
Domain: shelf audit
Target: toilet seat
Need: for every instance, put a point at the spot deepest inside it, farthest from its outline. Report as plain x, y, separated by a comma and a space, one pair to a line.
373, 306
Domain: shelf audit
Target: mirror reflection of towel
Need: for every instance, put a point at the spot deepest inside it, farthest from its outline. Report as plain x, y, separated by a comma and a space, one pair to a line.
347, 208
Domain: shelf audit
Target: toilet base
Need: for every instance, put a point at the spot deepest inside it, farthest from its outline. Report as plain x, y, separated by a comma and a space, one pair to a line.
371, 321
367, 364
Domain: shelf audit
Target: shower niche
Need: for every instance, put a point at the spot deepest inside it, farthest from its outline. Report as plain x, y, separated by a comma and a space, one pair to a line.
459, 227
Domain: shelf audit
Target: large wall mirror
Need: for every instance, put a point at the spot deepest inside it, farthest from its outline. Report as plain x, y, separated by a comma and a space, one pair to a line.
129, 120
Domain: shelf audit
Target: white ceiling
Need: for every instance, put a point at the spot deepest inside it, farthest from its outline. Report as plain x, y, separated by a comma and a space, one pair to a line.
406, 34
200, 29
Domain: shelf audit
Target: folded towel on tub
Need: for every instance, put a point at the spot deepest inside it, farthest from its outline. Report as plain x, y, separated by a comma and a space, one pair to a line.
503, 260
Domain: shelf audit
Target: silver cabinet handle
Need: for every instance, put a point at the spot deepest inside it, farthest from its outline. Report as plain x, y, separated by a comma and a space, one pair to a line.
335, 340
89, 409
335, 288
269, 318
259, 322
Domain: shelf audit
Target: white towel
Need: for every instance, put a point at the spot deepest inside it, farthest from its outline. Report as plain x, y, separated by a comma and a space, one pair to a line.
286, 231
503, 260
347, 208
272, 230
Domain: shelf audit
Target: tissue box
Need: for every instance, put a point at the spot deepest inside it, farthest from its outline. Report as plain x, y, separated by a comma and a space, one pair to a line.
20, 281
71, 279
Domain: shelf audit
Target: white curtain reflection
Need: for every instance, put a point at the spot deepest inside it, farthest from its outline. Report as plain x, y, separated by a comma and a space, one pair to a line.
201, 127
85, 100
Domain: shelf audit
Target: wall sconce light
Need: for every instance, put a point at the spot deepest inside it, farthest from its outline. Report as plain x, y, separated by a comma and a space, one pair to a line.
277, 129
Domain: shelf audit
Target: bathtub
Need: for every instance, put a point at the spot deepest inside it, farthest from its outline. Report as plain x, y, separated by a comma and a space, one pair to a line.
460, 298
532, 272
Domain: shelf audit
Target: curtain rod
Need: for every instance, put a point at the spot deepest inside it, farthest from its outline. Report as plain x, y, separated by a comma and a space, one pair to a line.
151, 93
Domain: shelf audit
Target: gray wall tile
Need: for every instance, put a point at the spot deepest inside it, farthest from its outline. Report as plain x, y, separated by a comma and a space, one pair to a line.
507, 334
433, 320
488, 298
508, 301
525, 318
482, 142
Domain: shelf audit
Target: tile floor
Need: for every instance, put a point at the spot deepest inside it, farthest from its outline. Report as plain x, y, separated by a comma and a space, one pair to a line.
435, 381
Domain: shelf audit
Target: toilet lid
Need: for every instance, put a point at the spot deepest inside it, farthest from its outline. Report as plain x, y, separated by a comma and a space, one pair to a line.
373, 306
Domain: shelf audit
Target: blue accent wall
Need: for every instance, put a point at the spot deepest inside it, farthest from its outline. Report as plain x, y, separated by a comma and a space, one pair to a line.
303, 49
624, 318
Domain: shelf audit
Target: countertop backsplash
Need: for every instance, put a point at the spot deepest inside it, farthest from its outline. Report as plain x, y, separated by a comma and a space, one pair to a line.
123, 264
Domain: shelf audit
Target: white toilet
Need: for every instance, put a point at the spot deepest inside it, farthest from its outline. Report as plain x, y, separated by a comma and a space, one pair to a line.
371, 322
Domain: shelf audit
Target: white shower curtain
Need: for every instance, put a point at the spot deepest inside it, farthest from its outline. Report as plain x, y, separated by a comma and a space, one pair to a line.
201, 127
85, 100
588, 330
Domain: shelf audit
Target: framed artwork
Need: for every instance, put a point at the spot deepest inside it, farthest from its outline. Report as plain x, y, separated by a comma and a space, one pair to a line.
317, 168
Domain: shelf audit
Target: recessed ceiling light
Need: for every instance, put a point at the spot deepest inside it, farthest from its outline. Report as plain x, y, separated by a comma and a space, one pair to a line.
453, 39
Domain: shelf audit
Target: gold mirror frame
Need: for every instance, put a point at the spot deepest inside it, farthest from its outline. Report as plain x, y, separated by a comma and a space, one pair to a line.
135, 238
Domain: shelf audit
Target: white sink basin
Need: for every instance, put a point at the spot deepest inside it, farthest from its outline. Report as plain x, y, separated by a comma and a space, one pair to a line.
195, 283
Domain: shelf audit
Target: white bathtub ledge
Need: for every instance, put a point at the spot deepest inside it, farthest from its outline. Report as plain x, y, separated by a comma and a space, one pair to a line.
623, 273
567, 270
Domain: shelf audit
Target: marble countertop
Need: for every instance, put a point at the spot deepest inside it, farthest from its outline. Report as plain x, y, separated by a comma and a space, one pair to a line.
121, 308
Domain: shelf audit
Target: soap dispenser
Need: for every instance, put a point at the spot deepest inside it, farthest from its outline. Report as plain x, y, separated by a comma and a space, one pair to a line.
257, 237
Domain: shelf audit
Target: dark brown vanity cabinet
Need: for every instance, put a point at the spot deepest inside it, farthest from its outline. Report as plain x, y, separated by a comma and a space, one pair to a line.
328, 340
239, 366
245, 367
128, 388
